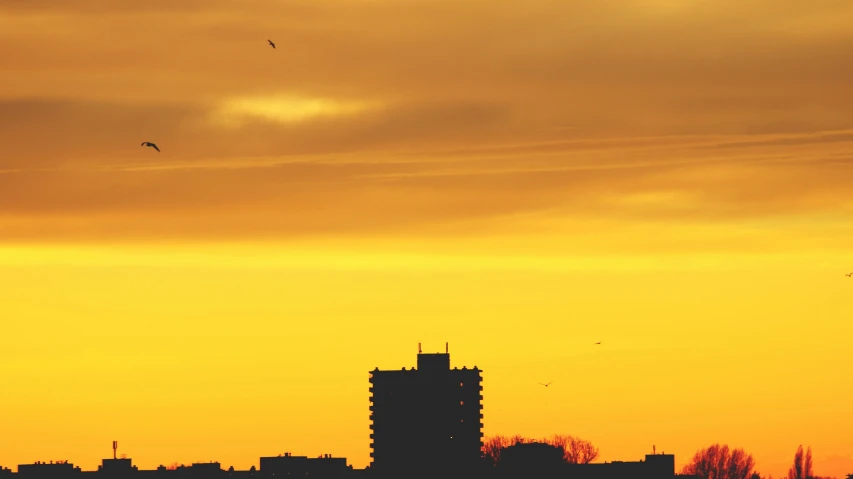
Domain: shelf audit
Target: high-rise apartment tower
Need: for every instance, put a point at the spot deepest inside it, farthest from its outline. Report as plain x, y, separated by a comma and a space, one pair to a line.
426, 421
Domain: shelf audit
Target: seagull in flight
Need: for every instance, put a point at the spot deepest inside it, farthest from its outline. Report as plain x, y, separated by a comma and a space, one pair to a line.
849, 275
544, 384
152, 145
271, 43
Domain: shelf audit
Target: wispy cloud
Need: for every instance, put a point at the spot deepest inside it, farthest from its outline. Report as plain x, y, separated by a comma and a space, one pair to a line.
364, 121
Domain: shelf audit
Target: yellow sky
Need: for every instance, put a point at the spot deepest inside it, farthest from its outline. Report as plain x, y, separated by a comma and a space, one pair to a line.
520, 179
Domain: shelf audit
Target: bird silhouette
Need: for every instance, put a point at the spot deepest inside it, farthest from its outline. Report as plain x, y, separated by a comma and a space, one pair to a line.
271, 43
544, 384
152, 145
849, 275
598, 342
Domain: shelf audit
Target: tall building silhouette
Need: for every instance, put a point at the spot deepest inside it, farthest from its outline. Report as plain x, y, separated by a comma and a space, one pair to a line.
426, 421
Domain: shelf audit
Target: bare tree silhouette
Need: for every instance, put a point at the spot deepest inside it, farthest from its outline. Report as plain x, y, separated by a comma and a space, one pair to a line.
802, 468
493, 446
575, 450
807, 465
719, 462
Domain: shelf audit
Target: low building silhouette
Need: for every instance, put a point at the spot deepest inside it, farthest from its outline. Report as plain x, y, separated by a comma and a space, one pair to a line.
47, 470
116, 468
204, 470
655, 466
285, 466
288, 465
545, 461
534, 459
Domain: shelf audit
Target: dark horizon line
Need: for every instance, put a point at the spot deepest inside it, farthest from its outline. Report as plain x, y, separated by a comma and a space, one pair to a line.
128, 462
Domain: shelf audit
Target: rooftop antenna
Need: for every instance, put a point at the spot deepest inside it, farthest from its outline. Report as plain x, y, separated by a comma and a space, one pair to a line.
419, 348
115, 446
446, 348
653, 450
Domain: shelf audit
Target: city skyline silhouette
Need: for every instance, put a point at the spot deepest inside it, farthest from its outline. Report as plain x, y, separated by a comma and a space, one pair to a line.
427, 422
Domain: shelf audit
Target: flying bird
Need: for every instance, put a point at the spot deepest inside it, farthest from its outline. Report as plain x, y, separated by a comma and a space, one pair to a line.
152, 145
598, 342
271, 43
849, 274
546, 385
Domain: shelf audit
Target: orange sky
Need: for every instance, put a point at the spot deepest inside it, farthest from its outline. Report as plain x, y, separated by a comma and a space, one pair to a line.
521, 179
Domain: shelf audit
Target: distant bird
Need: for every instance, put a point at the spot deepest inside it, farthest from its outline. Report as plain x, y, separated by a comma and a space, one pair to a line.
271, 43
546, 385
849, 274
598, 342
152, 145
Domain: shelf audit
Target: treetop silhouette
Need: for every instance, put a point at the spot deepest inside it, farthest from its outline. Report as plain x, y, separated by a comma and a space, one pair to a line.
575, 450
719, 462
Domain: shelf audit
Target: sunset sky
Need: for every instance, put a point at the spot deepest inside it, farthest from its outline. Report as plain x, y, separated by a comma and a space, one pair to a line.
520, 179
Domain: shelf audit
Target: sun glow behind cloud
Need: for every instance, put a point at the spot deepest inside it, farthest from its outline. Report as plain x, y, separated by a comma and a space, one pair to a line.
285, 109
